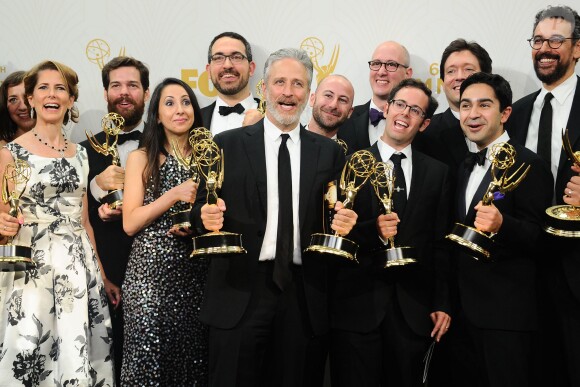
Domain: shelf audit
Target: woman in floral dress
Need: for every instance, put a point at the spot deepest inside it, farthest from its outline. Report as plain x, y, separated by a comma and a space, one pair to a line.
54, 322
165, 344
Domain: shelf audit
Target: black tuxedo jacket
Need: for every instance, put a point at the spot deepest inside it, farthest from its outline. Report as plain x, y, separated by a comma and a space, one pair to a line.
207, 113
113, 245
501, 294
355, 130
517, 127
230, 279
443, 140
362, 292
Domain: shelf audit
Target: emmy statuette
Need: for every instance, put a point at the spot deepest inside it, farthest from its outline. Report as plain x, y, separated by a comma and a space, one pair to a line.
355, 173
564, 220
479, 244
210, 160
112, 125
15, 257
383, 182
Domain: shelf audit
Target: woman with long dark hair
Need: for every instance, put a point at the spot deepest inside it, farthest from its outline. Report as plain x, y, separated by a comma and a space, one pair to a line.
15, 118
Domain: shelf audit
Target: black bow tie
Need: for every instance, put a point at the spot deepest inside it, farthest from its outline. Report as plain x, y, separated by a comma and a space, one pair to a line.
134, 135
227, 110
375, 116
475, 158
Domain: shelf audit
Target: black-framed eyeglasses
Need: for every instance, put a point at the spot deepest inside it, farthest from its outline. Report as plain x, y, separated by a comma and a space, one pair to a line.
399, 105
235, 58
554, 42
390, 66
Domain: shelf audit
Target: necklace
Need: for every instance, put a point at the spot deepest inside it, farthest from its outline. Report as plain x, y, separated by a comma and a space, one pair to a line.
59, 150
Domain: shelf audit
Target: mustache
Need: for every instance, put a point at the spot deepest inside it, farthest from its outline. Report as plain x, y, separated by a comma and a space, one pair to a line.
124, 99
229, 71
547, 55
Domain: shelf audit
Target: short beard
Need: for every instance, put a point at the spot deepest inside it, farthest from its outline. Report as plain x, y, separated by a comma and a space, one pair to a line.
285, 120
327, 128
232, 90
132, 117
552, 77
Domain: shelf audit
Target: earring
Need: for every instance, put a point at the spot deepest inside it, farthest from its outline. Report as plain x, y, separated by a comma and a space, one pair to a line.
32, 113
69, 111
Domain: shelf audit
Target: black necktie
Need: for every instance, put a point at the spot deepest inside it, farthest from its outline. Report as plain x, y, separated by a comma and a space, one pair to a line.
227, 110
285, 234
545, 130
400, 194
375, 116
134, 135
475, 158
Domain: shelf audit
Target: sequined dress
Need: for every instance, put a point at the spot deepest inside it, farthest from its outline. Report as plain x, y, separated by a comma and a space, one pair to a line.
55, 328
165, 344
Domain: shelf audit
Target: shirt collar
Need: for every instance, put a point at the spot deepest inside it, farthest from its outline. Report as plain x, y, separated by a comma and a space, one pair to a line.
386, 151
273, 133
563, 91
247, 102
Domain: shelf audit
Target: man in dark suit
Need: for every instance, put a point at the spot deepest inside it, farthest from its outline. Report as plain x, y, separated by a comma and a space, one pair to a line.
126, 84
497, 315
389, 65
555, 47
443, 139
393, 314
268, 308
230, 66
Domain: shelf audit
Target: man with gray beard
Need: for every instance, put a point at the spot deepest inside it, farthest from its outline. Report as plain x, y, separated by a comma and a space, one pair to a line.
331, 105
230, 66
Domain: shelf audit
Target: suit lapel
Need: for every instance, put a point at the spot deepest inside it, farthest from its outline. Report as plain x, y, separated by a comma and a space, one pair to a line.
255, 151
470, 217
376, 206
309, 151
453, 136
417, 182
573, 126
206, 115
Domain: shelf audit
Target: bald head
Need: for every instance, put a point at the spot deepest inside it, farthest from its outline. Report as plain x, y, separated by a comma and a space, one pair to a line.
382, 80
331, 104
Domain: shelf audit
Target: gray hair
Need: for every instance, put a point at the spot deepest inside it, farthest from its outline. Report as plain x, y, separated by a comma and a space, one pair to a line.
560, 12
293, 53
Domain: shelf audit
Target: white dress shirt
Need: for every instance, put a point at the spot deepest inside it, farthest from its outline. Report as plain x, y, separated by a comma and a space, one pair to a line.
124, 150
561, 107
479, 172
221, 123
272, 141
376, 131
387, 151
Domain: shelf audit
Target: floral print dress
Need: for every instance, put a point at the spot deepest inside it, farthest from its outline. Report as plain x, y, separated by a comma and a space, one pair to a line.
55, 328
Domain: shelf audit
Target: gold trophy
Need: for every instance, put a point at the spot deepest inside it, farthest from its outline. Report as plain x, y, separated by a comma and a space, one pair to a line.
180, 219
210, 160
479, 244
15, 257
112, 125
383, 182
355, 173
260, 94
564, 220
342, 144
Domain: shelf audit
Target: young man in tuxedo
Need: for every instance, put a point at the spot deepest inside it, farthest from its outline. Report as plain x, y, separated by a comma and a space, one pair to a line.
126, 89
230, 66
389, 65
497, 315
268, 309
384, 319
537, 122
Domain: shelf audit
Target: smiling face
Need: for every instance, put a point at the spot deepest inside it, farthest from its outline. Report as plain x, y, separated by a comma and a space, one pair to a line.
383, 81
555, 65
458, 66
175, 110
401, 126
332, 103
125, 95
228, 78
50, 97
480, 115
286, 91
17, 108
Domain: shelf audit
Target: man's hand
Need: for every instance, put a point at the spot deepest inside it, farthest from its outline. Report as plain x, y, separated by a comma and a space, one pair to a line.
111, 178
488, 218
251, 116
107, 214
212, 215
387, 225
441, 322
344, 219
572, 190
113, 293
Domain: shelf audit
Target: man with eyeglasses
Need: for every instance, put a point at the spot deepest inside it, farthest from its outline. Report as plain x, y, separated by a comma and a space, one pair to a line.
383, 320
443, 139
537, 121
390, 64
230, 66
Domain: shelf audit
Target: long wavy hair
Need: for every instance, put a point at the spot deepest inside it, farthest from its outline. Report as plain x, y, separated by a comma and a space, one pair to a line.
7, 126
154, 139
